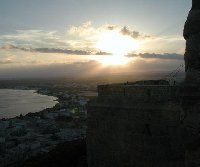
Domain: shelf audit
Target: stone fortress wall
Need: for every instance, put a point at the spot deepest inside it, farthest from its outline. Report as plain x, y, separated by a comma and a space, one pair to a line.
138, 92
129, 124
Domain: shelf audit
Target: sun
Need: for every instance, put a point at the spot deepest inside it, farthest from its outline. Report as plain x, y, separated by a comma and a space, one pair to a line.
116, 43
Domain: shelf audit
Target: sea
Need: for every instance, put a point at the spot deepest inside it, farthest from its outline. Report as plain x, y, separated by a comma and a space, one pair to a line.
15, 102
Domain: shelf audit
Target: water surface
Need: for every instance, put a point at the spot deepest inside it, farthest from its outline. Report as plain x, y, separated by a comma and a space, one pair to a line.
16, 102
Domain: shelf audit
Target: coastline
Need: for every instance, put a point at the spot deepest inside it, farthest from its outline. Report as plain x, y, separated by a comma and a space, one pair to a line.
40, 132
37, 91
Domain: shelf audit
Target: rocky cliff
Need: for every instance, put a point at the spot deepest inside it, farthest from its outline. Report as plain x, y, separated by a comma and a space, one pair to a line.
191, 95
192, 36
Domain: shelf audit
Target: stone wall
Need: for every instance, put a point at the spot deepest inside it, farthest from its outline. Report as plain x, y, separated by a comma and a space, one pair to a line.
138, 92
134, 135
135, 126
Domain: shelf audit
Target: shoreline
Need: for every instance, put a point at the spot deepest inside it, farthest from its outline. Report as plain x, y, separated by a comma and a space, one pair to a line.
40, 132
37, 112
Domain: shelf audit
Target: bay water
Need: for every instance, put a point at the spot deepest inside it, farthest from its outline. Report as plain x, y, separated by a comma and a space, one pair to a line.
15, 102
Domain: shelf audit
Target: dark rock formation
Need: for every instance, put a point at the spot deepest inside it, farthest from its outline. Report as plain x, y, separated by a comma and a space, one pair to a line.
191, 95
195, 4
192, 36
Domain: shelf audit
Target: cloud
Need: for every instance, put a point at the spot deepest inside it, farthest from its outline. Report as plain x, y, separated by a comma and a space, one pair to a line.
111, 27
165, 56
102, 53
87, 35
88, 29
35, 38
64, 51
8, 61
170, 56
83, 40
53, 50
8, 46
81, 30
134, 34
11, 46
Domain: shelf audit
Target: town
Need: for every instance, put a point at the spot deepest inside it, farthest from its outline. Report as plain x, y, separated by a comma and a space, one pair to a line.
26, 136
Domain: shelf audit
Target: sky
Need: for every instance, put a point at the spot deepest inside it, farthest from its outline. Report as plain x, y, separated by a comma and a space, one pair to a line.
88, 37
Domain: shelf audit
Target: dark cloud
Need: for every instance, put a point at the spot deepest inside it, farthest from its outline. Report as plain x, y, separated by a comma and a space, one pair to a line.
54, 50
172, 56
11, 46
133, 34
68, 51
111, 27
64, 51
102, 53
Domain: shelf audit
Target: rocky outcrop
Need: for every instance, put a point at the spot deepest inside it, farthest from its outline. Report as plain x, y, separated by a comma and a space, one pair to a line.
192, 36
191, 95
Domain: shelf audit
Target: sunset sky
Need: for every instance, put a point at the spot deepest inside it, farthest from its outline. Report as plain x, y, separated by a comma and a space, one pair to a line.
87, 37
